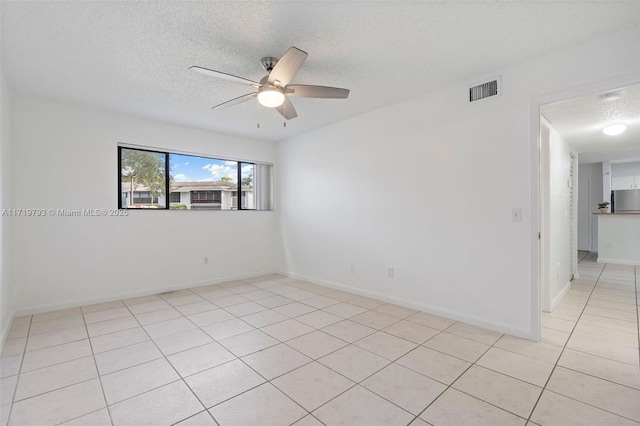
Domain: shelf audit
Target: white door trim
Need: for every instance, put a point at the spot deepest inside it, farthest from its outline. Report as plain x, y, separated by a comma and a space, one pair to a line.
589, 217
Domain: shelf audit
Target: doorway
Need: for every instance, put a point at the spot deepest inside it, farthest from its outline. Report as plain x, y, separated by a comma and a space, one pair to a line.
541, 229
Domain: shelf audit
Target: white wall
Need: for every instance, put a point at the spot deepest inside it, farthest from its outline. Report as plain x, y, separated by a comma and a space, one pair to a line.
64, 156
619, 236
558, 281
593, 172
347, 193
6, 259
625, 169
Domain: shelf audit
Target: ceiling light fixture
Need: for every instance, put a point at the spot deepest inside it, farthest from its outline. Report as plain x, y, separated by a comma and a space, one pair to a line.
614, 129
271, 97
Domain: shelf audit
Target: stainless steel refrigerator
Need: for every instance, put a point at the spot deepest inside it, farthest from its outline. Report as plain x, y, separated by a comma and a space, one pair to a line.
625, 200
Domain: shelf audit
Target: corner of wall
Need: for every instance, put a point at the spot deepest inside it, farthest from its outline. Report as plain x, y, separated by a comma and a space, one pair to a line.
6, 271
556, 300
501, 327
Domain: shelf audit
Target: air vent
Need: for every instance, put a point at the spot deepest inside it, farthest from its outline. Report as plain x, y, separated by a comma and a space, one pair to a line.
485, 90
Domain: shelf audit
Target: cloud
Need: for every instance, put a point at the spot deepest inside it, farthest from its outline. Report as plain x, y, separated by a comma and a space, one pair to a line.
186, 163
230, 163
180, 178
247, 169
218, 171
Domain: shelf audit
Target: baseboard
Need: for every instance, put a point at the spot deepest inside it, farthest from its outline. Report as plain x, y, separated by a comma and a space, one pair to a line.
556, 300
31, 310
5, 330
454, 315
619, 261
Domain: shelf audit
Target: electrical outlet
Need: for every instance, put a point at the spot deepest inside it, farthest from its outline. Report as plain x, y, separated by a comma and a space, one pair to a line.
390, 272
516, 215
607, 245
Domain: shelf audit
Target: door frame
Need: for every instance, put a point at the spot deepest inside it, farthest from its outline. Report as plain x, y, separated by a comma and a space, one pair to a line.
590, 217
574, 215
538, 232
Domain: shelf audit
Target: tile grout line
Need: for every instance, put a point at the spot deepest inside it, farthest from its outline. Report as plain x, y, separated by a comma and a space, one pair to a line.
141, 363
310, 413
62, 387
216, 341
95, 363
268, 347
376, 330
180, 378
316, 360
564, 347
607, 380
24, 353
474, 363
348, 344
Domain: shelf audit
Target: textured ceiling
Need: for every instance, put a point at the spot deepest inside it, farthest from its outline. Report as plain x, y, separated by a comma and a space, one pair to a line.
133, 56
580, 122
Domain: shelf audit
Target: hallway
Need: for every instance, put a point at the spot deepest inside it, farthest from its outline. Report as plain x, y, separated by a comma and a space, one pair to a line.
597, 325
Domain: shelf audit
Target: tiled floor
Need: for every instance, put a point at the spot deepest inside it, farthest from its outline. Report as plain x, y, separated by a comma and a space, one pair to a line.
275, 350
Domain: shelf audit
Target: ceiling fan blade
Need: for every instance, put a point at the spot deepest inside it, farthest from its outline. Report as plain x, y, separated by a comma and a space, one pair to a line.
306, 91
235, 101
224, 76
287, 66
287, 110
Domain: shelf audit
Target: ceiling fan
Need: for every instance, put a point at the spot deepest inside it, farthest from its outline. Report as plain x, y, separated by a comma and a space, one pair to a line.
274, 89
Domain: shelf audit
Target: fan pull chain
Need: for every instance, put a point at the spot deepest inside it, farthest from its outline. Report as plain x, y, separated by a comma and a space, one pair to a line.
284, 108
258, 124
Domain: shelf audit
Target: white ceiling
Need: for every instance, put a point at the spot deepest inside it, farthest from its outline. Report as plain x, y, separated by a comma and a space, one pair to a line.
133, 56
580, 122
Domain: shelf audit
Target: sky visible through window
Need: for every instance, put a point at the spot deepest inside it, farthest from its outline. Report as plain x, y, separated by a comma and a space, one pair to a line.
188, 168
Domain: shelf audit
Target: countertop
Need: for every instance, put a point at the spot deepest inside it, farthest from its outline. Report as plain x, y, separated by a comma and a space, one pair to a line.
618, 214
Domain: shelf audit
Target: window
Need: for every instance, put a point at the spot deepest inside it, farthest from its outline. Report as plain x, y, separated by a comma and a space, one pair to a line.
174, 197
192, 182
142, 179
142, 197
206, 197
247, 194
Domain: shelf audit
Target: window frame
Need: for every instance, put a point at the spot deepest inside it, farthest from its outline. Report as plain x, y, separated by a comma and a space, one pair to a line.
167, 178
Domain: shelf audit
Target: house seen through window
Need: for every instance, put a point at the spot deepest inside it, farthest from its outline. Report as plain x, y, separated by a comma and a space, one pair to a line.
191, 182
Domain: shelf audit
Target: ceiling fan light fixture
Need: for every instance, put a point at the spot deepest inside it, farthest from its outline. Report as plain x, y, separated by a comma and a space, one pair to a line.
614, 129
271, 97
